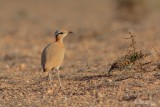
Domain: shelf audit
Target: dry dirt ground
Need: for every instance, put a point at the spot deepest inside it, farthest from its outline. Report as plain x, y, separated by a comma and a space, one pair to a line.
26, 26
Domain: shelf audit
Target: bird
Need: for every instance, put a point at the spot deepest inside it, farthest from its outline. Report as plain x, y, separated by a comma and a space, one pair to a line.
53, 54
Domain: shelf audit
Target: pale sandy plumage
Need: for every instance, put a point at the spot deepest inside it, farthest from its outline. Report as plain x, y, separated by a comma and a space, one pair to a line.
53, 54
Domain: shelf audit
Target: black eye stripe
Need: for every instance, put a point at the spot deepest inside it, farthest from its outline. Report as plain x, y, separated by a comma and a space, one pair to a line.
60, 33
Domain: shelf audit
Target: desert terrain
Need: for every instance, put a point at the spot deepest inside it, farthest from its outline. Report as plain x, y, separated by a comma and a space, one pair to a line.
100, 31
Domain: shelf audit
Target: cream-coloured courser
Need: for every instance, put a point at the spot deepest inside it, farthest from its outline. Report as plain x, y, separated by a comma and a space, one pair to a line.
53, 54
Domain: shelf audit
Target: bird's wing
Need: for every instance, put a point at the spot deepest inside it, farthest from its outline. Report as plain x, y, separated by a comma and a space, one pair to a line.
52, 56
44, 57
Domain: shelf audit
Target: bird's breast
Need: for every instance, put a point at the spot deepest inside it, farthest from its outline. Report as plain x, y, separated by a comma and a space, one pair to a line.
53, 55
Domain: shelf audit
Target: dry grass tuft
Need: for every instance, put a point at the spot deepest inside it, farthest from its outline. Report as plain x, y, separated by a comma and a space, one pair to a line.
133, 55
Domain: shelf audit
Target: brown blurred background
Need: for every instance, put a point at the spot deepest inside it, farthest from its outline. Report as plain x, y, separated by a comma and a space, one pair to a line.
99, 26
27, 26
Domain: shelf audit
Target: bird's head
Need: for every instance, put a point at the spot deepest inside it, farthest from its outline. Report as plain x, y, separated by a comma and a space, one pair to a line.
60, 34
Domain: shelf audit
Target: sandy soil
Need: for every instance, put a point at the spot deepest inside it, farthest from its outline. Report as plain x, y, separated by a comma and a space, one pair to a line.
26, 27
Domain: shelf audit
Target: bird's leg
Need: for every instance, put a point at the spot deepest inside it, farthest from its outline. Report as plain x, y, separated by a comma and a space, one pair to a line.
59, 78
50, 78
60, 82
